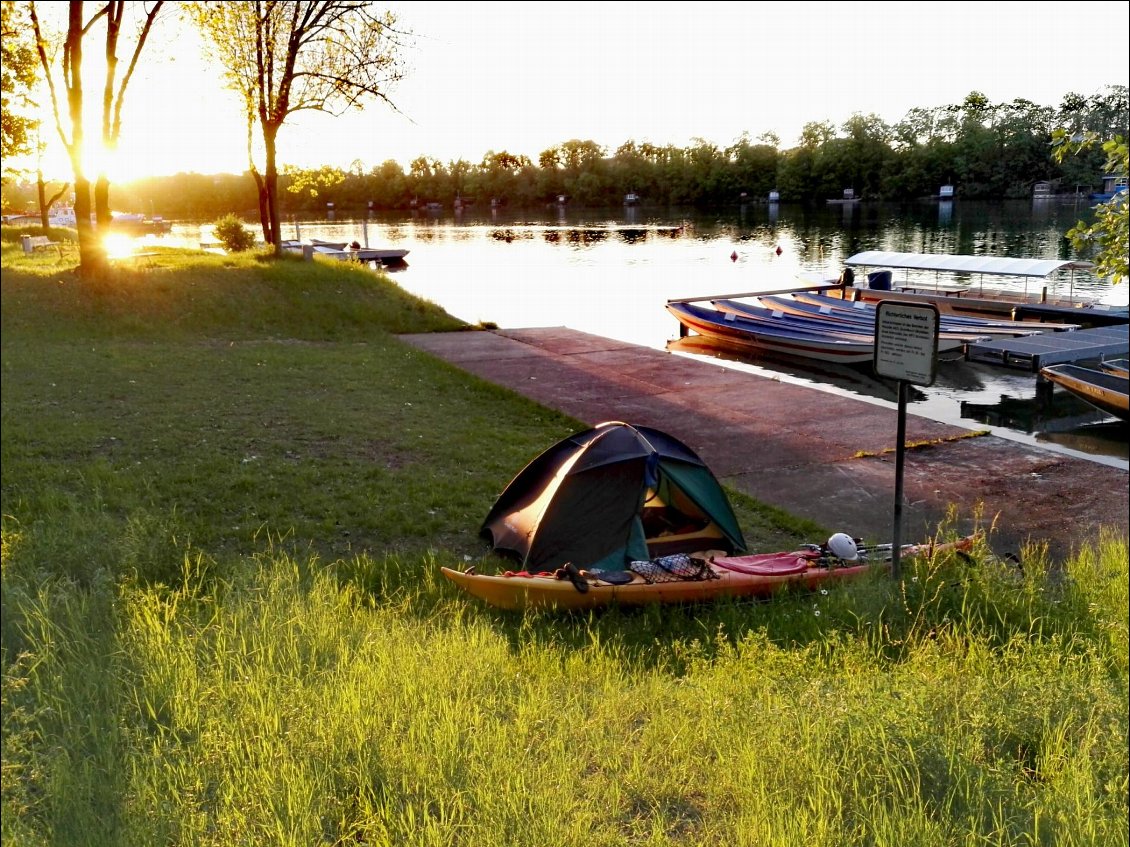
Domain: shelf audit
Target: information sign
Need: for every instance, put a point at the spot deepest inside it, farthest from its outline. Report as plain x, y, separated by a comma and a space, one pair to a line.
906, 341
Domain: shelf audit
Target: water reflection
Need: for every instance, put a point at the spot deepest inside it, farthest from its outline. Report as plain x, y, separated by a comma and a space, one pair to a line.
509, 235
1009, 404
1087, 436
1045, 411
860, 380
609, 272
817, 238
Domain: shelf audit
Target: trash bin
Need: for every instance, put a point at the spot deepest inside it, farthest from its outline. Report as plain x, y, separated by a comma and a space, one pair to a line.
879, 280
25, 242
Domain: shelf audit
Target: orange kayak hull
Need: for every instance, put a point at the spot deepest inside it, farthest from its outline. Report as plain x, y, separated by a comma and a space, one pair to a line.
758, 576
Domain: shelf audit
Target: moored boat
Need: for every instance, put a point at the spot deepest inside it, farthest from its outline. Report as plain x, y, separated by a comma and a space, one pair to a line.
815, 303
767, 311
138, 224
735, 331
1105, 391
353, 251
953, 291
1118, 367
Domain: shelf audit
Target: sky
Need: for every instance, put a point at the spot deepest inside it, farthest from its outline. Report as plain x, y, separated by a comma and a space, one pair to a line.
526, 76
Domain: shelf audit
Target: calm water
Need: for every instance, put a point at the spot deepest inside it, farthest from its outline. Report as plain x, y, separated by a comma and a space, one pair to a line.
610, 272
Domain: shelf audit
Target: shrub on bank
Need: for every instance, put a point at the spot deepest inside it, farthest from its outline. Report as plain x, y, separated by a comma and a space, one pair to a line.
230, 232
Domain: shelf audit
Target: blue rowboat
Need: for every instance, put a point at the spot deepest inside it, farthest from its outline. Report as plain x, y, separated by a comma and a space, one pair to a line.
735, 331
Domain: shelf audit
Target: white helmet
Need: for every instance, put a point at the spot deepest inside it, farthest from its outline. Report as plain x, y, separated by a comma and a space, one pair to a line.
842, 546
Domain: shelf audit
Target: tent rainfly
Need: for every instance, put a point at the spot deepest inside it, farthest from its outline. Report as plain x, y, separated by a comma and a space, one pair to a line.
608, 496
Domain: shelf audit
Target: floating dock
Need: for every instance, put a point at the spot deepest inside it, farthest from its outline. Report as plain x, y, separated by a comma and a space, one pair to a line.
1099, 315
1052, 348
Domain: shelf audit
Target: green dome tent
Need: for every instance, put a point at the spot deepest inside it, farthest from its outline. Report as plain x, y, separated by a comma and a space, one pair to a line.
608, 496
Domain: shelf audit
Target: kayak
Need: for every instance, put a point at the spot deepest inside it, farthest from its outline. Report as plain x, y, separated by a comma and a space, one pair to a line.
694, 578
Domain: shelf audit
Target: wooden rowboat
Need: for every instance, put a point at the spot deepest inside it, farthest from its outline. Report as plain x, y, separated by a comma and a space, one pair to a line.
1118, 367
1105, 391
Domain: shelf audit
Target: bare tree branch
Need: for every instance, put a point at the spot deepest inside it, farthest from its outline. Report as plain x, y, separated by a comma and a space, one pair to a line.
287, 56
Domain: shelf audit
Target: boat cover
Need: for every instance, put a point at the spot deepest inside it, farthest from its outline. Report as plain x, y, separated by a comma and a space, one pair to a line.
944, 262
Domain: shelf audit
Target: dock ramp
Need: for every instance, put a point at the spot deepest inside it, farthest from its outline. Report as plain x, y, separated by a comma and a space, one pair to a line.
1033, 352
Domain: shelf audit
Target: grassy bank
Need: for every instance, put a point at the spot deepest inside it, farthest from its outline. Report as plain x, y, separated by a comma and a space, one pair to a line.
227, 489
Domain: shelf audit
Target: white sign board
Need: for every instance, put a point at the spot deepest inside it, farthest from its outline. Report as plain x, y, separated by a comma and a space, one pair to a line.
906, 341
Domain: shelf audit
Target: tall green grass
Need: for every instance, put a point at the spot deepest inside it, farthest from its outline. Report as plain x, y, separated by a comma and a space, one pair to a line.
223, 621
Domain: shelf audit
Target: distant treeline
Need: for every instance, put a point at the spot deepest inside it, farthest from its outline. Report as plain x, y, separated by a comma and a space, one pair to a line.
983, 150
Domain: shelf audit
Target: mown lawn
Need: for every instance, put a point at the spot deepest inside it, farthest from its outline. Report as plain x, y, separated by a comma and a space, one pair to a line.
227, 489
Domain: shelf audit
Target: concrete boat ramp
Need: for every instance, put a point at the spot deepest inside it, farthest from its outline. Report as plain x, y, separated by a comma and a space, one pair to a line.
815, 454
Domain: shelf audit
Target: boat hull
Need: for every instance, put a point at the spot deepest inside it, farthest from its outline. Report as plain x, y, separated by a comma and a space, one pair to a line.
1118, 367
758, 576
341, 250
1107, 392
861, 313
733, 331
766, 313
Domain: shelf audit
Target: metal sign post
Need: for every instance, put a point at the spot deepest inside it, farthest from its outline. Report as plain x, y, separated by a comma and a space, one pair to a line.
906, 349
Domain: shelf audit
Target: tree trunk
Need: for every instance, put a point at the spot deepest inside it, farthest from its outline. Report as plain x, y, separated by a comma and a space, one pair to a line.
44, 208
91, 251
92, 255
45, 203
264, 214
109, 138
272, 183
102, 203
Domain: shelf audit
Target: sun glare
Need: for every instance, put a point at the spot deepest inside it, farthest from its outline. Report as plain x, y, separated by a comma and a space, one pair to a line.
118, 246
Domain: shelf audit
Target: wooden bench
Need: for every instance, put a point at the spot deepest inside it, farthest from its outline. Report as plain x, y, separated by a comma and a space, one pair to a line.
40, 242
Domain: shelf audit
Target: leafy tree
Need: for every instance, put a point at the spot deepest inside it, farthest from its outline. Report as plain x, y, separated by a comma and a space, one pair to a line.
462, 178
92, 253
1108, 236
429, 177
501, 174
754, 166
312, 182
982, 149
865, 154
389, 188
286, 56
815, 133
550, 181
795, 173
710, 180
114, 91
45, 202
18, 63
